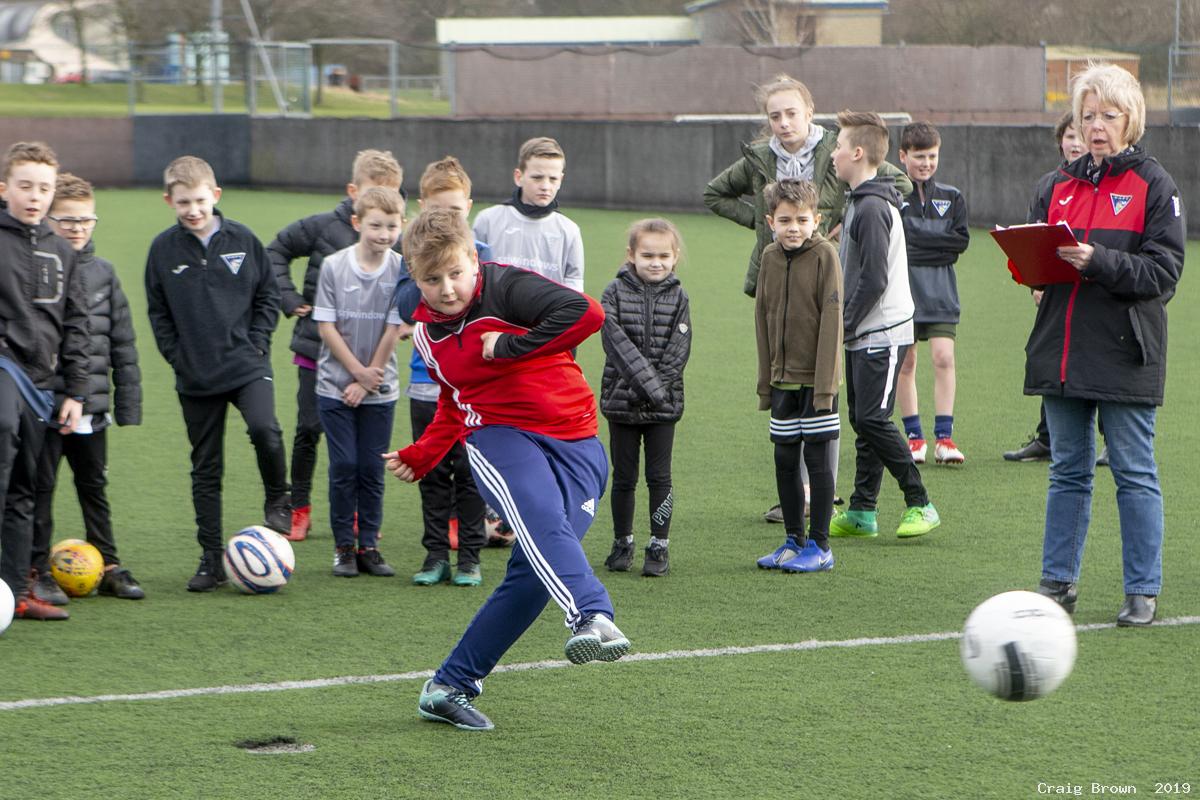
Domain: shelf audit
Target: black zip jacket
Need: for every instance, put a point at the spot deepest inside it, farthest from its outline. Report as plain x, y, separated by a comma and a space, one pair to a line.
212, 309
647, 337
43, 313
935, 231
1105, 338
314, 238
113, 346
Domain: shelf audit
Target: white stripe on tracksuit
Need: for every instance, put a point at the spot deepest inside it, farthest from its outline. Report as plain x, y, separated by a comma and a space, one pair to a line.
891, 374
421, 341
494, 481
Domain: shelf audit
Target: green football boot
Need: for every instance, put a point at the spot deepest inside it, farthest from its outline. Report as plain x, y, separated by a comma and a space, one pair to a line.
852, 523
918, 521
438, 573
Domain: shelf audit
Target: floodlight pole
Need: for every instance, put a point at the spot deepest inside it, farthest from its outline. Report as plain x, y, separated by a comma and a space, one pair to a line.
214, 61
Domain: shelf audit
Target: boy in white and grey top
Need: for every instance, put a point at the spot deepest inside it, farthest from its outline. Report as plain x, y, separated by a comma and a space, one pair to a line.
361, 304
550, 245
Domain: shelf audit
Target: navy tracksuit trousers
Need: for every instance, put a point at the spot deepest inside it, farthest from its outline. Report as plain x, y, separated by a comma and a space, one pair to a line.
547, 490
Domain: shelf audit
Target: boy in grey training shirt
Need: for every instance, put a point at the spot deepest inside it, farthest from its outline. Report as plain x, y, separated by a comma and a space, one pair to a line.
527, 231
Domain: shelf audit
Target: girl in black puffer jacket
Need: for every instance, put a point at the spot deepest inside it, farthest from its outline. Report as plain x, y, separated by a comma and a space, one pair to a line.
647, 338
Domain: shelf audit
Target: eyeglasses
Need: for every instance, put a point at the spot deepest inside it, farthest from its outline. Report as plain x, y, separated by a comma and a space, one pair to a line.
75, 223
1109, 117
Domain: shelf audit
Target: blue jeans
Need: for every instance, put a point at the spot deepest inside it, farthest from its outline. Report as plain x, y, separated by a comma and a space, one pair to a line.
1129, 432
355, 438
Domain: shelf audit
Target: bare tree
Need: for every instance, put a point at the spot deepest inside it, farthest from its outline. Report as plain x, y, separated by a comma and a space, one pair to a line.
758, 21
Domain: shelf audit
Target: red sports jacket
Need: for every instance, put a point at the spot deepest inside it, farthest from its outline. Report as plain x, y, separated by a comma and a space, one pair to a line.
533, 383
1105, 337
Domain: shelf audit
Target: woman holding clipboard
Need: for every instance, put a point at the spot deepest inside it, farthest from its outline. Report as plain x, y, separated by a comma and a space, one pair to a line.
1099, 344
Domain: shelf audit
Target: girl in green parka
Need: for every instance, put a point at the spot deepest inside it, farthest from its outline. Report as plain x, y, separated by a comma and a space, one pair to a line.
797, 148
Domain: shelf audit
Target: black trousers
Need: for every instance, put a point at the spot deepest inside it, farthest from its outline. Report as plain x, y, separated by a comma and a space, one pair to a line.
205, 421
21, 438
448, 490
625, 448
788, 458
88, 457
307, 440
870, 399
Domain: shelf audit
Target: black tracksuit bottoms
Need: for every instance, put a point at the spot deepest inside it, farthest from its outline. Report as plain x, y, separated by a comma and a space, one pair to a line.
870, 399
448, 490
625, 448
307, 439
205, 420
88, 456
21, 438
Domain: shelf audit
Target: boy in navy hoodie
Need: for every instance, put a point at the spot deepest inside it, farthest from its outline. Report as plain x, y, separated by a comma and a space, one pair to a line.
213, 304
936, 234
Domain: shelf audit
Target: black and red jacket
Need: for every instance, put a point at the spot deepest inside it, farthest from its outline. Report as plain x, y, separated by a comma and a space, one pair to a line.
1105, 337
533, 383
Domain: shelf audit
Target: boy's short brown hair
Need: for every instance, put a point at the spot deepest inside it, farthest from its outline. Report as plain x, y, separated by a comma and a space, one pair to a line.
190, 172
802, 194
867, 130
378, 166
72, 187
446, 175
433, 238
28, 152
919, 136
539, 147
1067, 120
383, 198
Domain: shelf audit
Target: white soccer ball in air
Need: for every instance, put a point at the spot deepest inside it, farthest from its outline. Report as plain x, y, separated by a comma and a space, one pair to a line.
1018, 645
258, 560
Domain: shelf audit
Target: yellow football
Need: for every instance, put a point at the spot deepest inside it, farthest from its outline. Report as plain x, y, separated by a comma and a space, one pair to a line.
77, 566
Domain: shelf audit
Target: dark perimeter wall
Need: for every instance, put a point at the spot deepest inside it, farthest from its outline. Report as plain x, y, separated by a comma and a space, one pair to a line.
650, 165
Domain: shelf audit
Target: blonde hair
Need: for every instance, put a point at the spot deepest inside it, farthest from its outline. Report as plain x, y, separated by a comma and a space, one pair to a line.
782, 83
190, 172
446, 175
383, 198
801, 194
539, 147
28, 153
378, 166
1115, 86
867, 130
72, 187
656, 225
434, 238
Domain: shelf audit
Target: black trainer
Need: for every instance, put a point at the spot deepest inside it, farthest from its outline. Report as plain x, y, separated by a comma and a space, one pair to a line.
596, 639
442, 703
1033, 450
46, 589
210, 574
621, 557
118, 582
657, 563
345, 562
1061, 592
278, 515
1138, 610
370, 561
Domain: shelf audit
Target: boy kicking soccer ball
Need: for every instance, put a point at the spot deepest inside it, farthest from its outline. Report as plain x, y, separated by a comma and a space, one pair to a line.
498, 339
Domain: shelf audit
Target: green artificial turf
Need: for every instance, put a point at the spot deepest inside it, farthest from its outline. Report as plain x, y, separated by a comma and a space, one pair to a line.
112, 100
884, 720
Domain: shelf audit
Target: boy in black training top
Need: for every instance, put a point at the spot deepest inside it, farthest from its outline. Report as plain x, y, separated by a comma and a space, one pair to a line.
213, 303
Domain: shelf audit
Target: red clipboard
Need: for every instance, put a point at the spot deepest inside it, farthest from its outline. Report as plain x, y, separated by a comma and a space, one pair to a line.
1032, 256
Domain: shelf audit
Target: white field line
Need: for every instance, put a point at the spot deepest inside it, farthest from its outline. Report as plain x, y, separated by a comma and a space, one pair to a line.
420, 675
